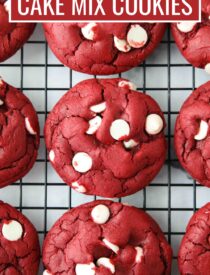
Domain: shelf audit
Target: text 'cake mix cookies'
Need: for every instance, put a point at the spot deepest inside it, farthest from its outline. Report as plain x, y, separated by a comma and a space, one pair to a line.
192, 135
194, 253
12, 35
19, 134
105, 238
105, 139
19, 244
103, 48
193, 39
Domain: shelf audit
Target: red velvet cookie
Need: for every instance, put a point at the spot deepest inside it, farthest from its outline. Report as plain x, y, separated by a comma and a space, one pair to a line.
192, 135
193, 39
12, 35
104, 237
19, 134
103, 48
194, 253
105, 139
19, 244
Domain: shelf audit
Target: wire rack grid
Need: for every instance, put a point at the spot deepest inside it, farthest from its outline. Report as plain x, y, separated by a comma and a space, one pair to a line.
42, 196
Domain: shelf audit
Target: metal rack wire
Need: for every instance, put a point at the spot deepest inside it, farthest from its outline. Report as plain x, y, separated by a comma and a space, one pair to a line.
172, 169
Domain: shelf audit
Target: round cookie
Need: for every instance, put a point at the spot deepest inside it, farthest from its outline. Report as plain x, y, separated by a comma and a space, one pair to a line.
86, 240
12, 35
192, 136
106, 139
194, 252
19, 244
103, 48
19, 134
193, 39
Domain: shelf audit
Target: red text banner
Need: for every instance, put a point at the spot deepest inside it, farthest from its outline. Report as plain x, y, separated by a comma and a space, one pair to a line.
105, 10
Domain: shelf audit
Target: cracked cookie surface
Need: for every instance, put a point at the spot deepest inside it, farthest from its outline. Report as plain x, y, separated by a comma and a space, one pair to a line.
194, 253
103, 48
106, 139
19, 134
193, 39
12, 35
192, 139
104, 237
19, 244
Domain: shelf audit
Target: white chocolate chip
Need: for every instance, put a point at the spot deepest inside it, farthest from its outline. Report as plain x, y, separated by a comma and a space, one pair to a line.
99, 108
82, 162
137, 36
94, 125
29, 127
1, 102
79, 188
122, 45
88, 31
12, 230
46, 272
154, 124
130, 143
106, 263
126, 204
119, 129
112, 246
203, 131
130, 85
207, 68
52, 155
186, 26
100, 214
139, 254
85, 269
7, 5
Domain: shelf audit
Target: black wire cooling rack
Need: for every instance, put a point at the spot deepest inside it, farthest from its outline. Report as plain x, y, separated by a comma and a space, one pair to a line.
175, 217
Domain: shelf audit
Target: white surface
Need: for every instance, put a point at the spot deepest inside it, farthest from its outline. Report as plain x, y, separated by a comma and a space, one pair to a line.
12, 230
106, 263
58, 194
119, 129
88, 31
137, 36
82, 162
85, 269
139, 254
121, 44
94, 125
100, 214
186, 26
203, 131
154, 124
112, 246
